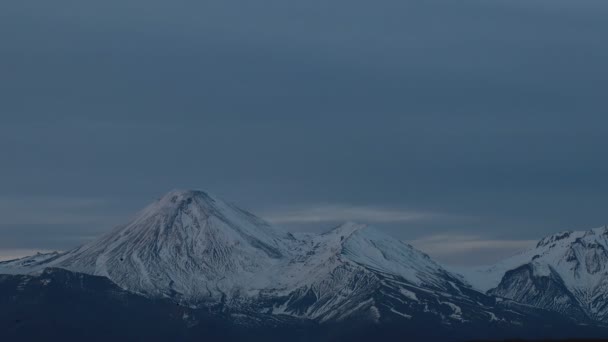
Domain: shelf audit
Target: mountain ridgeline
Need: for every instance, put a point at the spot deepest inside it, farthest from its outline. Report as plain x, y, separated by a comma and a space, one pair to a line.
195, 267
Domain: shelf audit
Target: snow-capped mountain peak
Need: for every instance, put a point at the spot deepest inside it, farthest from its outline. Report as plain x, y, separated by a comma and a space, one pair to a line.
190, 209
183, 240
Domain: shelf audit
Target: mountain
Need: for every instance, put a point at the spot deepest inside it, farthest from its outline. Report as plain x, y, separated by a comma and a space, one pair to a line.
226, 265
565, 272
199, 250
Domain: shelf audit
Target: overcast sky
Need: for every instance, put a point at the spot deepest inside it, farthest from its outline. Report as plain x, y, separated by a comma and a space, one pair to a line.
470, 128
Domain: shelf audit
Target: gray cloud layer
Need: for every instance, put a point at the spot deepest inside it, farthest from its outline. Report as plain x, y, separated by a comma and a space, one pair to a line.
492, 112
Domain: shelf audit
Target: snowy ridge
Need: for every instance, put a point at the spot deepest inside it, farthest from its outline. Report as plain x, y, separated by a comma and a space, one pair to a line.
18, 266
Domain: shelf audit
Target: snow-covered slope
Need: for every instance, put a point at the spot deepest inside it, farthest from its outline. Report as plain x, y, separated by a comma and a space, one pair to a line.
189, 245
201, 251
28, 264
566, 272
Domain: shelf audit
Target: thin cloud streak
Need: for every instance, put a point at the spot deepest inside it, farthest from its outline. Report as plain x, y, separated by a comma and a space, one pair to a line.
462, 249
53, 210
339, 212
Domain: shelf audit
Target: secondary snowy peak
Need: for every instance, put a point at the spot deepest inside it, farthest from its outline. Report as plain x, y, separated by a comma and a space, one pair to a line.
381, 252
355, 270
566, 271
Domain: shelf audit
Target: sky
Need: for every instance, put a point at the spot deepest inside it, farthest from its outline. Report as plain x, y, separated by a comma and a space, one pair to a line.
469, 128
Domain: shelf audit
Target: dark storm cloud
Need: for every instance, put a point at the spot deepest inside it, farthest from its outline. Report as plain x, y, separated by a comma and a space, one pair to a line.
487, 116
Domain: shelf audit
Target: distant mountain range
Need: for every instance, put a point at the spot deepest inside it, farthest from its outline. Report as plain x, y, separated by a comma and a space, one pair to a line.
192, 267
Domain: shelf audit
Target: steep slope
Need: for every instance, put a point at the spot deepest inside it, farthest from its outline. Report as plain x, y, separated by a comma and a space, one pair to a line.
188, 245
566, 272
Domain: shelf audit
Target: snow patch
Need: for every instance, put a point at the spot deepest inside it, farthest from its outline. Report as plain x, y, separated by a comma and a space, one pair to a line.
401, 314
409, 294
